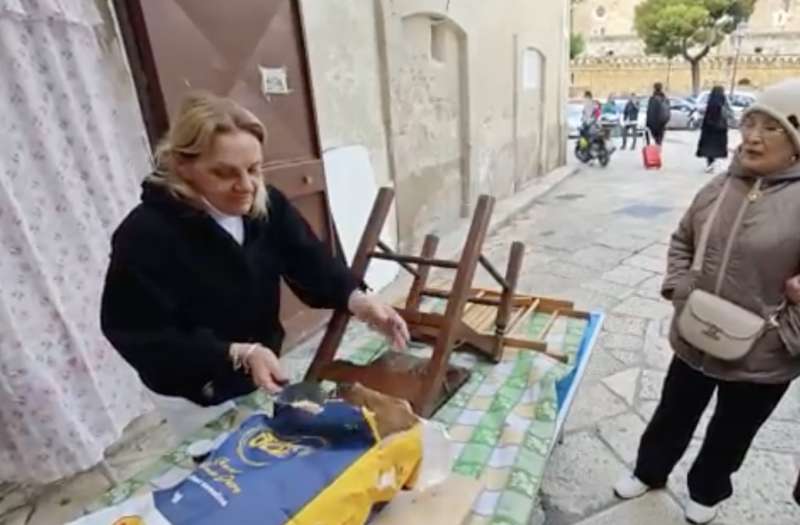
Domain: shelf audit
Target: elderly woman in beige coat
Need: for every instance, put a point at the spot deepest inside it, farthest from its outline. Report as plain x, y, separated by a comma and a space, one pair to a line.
753, 249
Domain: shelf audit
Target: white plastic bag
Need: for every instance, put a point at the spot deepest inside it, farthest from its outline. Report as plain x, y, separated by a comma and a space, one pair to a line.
437, 456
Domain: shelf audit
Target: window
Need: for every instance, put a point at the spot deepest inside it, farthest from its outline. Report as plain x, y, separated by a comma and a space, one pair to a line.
600, 12
532, 65
438, 41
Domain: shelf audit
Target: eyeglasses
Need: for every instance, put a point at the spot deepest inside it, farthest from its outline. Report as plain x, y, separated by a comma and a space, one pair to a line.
768, 130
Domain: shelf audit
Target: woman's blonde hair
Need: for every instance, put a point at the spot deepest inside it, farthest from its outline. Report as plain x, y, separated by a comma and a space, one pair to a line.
201, 117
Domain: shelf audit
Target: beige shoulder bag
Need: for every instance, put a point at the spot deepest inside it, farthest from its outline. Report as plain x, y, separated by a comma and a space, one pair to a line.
708, 322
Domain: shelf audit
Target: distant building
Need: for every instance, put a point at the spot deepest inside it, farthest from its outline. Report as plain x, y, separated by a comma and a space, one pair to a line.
615, 59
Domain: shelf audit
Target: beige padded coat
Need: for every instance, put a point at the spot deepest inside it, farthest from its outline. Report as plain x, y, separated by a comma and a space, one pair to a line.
763, 242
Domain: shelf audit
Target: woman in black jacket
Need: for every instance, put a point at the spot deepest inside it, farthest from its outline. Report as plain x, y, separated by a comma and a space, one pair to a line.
713, 143
192, 294
658, 113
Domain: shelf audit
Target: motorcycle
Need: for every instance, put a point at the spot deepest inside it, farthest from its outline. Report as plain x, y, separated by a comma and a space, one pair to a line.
592, 145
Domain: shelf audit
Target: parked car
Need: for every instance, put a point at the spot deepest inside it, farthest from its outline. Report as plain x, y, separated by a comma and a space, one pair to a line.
611, 115
682, 114
574, 117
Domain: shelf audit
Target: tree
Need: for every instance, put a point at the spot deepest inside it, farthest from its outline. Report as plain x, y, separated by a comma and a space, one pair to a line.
577, 45
689, 28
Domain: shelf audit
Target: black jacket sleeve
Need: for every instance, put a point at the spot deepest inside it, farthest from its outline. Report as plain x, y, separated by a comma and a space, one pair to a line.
139, 318
318, 279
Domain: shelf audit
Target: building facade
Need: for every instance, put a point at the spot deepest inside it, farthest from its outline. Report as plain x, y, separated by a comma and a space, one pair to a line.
449, 99
615, 60
452, 99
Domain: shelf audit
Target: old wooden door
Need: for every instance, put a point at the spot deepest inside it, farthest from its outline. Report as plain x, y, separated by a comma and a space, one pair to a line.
227, 48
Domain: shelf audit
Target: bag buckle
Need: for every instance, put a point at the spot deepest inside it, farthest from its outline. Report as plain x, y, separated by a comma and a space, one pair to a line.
712, 332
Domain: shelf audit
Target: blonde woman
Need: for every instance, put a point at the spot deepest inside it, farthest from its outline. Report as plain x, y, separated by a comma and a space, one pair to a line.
192, 293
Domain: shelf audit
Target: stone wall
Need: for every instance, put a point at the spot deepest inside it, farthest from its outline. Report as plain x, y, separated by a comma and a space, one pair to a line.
620, 75
451, 98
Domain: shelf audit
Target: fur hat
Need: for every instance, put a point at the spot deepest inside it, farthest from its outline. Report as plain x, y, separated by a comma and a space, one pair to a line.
781, 101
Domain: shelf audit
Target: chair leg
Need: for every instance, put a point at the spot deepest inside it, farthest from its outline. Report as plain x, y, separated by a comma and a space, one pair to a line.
504, 310
338, 324
462, 288
423, 271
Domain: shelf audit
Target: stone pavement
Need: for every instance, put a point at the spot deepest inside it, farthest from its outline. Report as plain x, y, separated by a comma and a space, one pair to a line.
600, 238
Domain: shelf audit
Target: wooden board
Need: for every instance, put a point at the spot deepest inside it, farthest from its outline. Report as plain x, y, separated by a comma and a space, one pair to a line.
446, 504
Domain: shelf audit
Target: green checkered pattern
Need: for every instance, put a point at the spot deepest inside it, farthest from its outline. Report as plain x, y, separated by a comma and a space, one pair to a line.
502, 422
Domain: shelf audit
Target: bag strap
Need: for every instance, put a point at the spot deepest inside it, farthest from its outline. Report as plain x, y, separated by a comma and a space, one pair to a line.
734, 227
702, 246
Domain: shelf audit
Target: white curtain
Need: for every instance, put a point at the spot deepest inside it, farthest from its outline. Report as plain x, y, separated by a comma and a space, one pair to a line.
72, 153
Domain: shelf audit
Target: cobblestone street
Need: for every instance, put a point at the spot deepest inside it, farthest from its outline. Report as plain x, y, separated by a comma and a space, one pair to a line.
600, 238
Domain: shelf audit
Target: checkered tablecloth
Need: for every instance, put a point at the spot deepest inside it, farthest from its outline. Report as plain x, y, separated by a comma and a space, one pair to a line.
503, 421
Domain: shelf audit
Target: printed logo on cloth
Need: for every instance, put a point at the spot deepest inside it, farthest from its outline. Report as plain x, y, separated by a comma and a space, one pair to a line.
259, 447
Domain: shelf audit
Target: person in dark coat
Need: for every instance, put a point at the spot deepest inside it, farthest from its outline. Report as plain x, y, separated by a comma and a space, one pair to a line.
713, 143
192, 292
658, 113
630, 121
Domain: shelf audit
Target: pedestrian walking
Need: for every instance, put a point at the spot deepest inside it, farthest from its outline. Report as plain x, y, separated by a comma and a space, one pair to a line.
728, 266
630, 121
713, 142
591, 110
658, 113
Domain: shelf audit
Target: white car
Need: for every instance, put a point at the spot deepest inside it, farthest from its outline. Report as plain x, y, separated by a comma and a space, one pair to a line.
682, 113
574, 119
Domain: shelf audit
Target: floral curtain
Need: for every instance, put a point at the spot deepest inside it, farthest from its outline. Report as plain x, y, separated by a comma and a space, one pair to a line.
72, 153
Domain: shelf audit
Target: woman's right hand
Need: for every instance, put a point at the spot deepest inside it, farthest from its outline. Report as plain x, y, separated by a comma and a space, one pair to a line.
262, 364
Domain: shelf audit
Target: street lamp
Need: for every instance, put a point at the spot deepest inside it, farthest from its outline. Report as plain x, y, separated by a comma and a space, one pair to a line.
737, 36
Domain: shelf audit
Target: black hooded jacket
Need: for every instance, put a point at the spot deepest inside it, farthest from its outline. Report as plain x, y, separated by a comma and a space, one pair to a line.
180, 290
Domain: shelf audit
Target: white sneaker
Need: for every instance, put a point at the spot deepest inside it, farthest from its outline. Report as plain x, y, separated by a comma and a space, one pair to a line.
630, 487
699, 514
711, 167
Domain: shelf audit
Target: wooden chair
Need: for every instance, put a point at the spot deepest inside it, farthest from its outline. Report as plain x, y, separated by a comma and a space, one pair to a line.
478, 320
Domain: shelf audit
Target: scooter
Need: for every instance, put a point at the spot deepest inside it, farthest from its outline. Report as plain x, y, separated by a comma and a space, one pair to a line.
592, 145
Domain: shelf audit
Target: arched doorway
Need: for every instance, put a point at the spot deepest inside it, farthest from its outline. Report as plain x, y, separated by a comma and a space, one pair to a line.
529, 130
430, 98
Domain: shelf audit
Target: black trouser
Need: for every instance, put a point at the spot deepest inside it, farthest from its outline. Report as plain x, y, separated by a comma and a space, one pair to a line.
741, 410
658, 134
797, 491
631, 128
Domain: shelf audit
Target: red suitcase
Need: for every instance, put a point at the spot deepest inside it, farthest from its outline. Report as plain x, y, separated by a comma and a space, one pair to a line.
651, 154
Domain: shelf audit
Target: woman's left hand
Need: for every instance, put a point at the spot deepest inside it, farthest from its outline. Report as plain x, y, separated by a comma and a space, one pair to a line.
380, 317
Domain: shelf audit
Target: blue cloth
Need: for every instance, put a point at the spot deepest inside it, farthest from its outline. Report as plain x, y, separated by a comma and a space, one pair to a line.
564, 384
270, 468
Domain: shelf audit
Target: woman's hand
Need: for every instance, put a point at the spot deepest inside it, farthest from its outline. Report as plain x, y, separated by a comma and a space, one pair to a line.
793, 289
380, 317
262, 364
